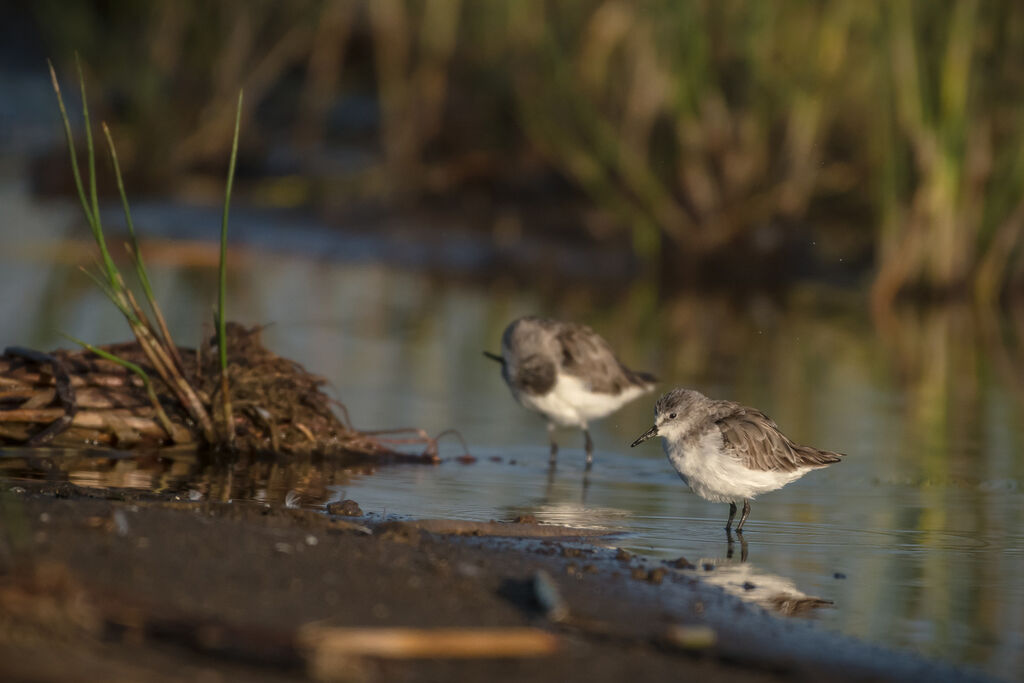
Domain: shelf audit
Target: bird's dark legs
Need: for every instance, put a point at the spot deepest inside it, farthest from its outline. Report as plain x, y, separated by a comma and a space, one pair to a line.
732, 514
554, 444
588, 446
743, 517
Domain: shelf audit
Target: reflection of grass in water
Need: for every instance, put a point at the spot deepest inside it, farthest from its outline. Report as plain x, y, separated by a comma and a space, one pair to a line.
15, 531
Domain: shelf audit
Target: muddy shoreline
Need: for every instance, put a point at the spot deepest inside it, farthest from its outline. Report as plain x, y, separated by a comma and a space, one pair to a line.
253, 575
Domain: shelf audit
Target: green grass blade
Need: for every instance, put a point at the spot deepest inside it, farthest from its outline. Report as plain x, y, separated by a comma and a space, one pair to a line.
140, 266
221, 321
71, 150
139, 372
222, 335
127, 364
115, 297
97, 227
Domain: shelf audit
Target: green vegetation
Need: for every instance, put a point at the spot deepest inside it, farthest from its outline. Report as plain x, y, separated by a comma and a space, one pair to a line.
692, 125
154, 339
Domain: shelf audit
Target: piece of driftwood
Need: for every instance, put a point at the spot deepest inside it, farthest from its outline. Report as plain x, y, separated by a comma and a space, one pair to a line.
76, 399
323, 643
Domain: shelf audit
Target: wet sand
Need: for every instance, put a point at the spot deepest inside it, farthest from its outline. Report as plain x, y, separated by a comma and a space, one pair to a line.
218, 591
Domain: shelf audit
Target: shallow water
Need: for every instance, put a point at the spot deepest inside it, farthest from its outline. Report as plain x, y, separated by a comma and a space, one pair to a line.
923, 522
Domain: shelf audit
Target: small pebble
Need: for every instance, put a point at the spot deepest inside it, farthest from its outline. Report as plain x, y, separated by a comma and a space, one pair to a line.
682, 563
748, 586
548, 597
283, 548
525, 519
44, 517
311, 540
468, 570
839, 575
638, 573
466, 459
656, 576
708, 566
120, 523
623, 555
16, 489
347, 508
571, 552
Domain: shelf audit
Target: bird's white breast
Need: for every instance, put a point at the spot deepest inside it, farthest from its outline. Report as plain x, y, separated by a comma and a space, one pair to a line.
571, 403
719, 476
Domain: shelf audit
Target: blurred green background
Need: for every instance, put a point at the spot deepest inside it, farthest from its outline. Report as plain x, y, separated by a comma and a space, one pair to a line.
877, 144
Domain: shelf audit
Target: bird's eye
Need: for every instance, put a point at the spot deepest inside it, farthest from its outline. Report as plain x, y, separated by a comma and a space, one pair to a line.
672, 416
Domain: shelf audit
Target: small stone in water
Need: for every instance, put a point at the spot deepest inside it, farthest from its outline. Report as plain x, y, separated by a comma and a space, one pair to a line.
348, 508
839, 575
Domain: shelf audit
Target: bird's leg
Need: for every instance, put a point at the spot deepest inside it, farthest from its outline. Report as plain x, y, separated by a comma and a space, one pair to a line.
554, 444
743, 517
588, 446
732, 513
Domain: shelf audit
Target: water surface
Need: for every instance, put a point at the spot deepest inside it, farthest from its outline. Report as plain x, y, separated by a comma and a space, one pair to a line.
917, 538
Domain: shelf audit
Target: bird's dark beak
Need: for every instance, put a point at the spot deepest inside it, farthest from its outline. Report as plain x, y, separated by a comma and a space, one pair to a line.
653, 431
494, 357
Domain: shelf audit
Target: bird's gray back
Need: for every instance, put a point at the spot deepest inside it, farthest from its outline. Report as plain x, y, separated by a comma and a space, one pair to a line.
758, 442
542, 347
586, 354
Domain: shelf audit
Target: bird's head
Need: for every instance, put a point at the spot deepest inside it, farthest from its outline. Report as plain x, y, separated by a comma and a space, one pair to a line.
673, 414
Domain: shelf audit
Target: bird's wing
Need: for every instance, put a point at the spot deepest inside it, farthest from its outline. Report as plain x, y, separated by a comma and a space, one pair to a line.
587, 355
760, 445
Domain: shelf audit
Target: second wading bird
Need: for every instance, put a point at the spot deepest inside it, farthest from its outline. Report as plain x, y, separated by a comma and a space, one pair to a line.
566, 372
726, 452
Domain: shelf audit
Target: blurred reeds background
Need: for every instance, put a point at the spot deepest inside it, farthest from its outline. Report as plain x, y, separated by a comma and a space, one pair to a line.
883, 141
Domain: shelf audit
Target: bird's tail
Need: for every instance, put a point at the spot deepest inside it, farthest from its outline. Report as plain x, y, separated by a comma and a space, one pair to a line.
495, 357
815, 457
642, 379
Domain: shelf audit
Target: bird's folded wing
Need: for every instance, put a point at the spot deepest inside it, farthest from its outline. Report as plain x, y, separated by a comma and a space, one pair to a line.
758, 443
587, 355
